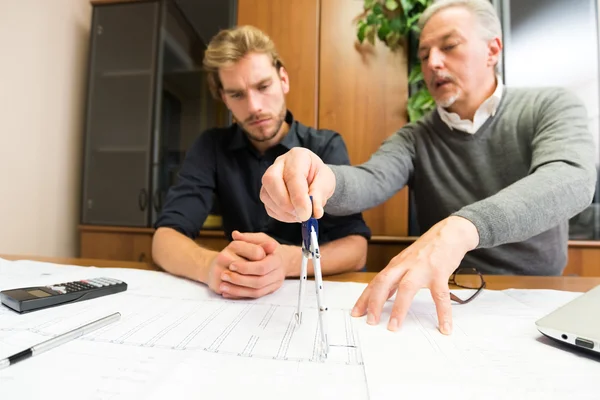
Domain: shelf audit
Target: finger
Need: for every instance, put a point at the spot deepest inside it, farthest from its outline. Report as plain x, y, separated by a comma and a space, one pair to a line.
407, 289
250, 281
257, 238
318, 204
229, 296
270, 247
297, 166
378, 296
393, 290
258, 268
441, 297
245, 292
245, 250
274, 192
321, 188
278, 215
391, 274
360, 307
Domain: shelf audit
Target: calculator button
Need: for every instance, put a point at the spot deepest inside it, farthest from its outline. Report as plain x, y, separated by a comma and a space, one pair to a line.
58, 289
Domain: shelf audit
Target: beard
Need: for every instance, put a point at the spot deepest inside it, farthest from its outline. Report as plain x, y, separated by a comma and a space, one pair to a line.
264, 134
449, 99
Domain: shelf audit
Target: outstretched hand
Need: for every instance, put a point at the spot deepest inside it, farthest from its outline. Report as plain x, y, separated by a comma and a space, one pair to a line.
427, 263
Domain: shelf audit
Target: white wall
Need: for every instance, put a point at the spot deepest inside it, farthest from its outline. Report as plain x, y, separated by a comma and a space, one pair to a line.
43, 53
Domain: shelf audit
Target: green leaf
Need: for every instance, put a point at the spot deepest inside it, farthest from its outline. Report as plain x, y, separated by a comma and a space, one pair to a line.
378, 9
392, 40
413, 115
416, 75
391, 4
419, 104
372, 19
360, 35
413, 20
370, 34
407, 6
384, 30
368, 4
396, 25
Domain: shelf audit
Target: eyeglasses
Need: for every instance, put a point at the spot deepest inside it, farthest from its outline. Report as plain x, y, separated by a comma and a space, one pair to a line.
466, 278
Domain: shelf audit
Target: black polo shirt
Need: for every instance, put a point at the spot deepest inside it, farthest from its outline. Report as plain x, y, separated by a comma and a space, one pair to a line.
222, 161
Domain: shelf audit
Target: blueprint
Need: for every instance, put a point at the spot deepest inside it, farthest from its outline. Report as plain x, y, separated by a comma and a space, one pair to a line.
174, 335
176, 339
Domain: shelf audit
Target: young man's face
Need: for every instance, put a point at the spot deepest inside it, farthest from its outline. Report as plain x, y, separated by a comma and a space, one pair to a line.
255, 91
455, 59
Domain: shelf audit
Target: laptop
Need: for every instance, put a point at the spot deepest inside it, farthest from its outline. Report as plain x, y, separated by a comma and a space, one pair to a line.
576, 323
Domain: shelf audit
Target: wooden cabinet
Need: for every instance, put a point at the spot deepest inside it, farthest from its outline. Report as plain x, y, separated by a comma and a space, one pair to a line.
132, 244
116, 243
584, 258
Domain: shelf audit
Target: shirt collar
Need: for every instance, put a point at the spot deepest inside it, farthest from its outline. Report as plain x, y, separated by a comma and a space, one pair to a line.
490, 104
240, 140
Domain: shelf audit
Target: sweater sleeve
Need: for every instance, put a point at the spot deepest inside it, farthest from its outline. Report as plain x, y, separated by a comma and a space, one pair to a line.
388, 170
560, 183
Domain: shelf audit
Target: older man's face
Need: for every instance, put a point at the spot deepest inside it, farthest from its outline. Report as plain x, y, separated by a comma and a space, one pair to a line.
455, 58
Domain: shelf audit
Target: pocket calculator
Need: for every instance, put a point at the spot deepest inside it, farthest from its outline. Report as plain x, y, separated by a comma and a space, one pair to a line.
39, 297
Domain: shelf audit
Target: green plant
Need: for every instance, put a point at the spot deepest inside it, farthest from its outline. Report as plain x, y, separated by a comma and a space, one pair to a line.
394, 22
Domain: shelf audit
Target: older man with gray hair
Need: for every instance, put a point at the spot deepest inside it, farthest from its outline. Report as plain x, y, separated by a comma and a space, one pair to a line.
496, 171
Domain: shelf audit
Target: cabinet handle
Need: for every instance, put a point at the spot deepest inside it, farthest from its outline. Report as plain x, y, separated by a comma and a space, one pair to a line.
143, 199
142, 257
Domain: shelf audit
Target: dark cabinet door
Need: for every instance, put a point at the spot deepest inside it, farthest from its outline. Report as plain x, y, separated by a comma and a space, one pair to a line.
120, 112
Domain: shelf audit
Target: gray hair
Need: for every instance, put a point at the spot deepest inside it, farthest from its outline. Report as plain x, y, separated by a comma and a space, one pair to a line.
483, 10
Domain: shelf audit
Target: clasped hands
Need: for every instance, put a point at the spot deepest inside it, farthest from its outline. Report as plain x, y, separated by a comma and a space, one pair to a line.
251, 266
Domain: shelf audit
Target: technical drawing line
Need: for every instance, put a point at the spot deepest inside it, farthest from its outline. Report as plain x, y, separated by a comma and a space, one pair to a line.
199, 328
172, 326
287, 337
267, 316
214, 346
351, 353
249, 346
247, 329
426, 333
137, 328
316, 353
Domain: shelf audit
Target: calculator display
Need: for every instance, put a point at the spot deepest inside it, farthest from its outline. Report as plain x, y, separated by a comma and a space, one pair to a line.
38, 293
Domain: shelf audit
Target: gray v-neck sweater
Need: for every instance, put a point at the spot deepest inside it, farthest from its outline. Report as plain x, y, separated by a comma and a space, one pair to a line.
518, 179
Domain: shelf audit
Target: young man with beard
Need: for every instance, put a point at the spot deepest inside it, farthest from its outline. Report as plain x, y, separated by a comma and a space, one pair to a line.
496, 171
246, 73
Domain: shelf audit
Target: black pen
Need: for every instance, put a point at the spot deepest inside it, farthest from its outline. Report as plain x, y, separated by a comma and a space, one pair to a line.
58, 340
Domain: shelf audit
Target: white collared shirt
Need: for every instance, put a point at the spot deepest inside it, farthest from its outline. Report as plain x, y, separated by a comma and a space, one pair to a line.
486, 109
